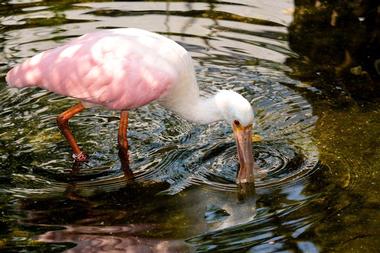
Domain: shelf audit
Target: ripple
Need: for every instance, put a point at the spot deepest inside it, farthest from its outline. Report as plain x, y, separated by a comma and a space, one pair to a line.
169, 149
164, 147
182, 171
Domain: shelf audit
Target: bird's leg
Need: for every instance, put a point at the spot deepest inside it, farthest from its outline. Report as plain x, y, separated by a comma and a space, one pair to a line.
63, 124
123, 142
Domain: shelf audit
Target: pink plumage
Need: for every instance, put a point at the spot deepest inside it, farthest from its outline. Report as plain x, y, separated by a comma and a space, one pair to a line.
119, 69
125, 68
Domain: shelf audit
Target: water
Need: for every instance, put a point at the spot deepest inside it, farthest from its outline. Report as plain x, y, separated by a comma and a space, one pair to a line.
319, 149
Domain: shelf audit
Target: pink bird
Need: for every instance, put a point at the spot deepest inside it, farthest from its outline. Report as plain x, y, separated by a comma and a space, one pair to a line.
122, 69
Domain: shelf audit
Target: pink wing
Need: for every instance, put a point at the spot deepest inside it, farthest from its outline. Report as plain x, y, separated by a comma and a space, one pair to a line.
111, 68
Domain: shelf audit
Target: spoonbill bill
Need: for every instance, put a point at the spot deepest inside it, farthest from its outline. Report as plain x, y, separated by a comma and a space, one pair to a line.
122, 69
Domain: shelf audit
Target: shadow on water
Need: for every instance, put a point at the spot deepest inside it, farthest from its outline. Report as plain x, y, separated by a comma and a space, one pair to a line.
338, 65
319, 149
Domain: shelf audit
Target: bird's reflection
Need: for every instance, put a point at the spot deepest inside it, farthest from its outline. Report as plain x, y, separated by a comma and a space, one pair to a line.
112, 239
71, 188
225, 210
136, 217
124, 167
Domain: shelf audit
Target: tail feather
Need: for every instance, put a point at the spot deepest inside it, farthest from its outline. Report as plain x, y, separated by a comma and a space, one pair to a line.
25, 74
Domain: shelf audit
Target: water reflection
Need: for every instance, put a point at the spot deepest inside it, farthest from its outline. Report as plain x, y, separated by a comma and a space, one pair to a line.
318, 194
106, 239
276, 225
135, 217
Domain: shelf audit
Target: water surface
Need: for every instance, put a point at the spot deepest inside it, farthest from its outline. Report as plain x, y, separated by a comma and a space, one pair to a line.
319, 148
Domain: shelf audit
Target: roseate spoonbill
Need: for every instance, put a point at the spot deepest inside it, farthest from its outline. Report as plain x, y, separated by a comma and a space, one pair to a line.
121, 69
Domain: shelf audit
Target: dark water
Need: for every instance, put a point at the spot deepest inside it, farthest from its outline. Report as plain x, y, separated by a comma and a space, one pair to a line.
320, 146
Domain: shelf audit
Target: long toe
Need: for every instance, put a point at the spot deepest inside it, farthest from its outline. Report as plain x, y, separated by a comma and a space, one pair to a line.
81, 157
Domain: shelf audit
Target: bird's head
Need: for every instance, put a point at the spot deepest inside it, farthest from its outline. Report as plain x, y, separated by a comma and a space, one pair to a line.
237, 111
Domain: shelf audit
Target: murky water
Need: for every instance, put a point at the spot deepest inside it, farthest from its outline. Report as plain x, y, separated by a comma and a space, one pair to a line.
320, 154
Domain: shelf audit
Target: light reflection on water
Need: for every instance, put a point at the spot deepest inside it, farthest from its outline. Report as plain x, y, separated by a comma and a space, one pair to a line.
184, 193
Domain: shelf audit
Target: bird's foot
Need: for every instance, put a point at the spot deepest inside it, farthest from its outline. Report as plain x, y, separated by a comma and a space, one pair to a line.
81, 157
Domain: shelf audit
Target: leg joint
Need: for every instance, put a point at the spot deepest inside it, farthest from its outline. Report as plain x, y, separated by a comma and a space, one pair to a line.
62, 120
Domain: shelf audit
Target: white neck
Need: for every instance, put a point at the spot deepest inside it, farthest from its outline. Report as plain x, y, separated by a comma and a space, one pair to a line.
186, 101
199, 110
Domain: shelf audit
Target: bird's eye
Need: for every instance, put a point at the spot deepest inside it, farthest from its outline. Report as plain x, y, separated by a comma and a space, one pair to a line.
237, 123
